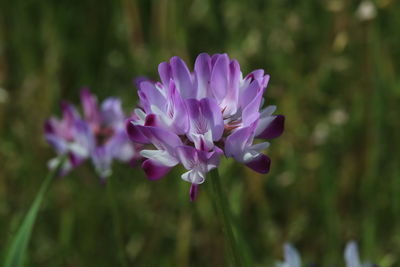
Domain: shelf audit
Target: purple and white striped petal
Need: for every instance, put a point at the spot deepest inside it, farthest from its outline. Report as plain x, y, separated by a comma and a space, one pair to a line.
206, 124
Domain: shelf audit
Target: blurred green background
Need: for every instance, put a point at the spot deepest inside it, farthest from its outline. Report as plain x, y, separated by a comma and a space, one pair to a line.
335, 173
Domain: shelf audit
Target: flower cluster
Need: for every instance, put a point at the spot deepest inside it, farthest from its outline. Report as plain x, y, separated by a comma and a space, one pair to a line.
292, 257
193, 118
100, 135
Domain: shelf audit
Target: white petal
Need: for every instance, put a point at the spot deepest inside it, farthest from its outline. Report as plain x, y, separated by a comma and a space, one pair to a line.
160, 156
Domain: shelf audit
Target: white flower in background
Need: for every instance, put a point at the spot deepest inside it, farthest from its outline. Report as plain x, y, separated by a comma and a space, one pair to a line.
366, 11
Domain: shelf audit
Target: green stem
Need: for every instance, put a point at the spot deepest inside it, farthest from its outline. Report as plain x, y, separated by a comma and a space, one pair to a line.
222, 206
16, 254
116, 221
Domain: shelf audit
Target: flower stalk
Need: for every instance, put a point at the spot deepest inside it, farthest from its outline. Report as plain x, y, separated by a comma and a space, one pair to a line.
222, 206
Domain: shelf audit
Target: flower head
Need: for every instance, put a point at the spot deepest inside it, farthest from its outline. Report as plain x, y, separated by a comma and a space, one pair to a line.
100, 135
193, 118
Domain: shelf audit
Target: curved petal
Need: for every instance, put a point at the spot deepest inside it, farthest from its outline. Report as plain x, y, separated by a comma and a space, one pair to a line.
176, 109
135, 134
161, 138
160, 156
252, 111
219, 77
230, 101
165, 72
273, 127
111, 112
236, 143
154, 170
213, 114
182, 78
202, 68
260, 164
249, 93
90, 108
187, 155
150, 95
59, 144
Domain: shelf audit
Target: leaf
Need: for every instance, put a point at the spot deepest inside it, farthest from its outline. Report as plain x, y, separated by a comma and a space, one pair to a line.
16, 253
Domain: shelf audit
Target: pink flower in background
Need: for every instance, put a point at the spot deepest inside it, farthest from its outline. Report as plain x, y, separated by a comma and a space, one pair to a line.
99, 135
193, 118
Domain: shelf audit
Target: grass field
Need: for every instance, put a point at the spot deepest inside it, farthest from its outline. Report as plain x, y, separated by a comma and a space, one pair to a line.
335, 173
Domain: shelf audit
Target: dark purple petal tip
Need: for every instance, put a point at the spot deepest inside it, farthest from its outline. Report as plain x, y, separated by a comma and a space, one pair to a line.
274, 129
74, 159
48, 127
194, 191
260, 164
134, 133
153, 170
150, 120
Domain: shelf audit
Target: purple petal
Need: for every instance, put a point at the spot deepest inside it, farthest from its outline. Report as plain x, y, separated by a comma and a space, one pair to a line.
70, 114
252, 111
102, 159
202, 68
236, 142
219, 77
165, 72
187, 156
121, 147
255, 75
249, 93
150, 120
182, 78
111, 112
49, 127
150, 95
89, 104
58, 143
230, 102
177, 109
213, 114
75, 159
260, 164
161, 138
274, 128
154, 170
134, 133
194, 191
138, 80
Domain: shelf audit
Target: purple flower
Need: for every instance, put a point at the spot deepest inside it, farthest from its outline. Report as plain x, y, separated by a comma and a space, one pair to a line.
193, 118
99, 135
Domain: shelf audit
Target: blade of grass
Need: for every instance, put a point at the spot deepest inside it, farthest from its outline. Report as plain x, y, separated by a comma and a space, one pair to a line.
16, 253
